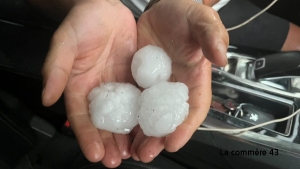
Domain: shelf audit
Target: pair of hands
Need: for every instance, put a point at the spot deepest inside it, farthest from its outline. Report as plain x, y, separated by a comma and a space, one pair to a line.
96, 42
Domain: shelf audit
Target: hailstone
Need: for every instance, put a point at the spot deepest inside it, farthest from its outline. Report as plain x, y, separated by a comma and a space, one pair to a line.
113, 107
163, 107
151, 65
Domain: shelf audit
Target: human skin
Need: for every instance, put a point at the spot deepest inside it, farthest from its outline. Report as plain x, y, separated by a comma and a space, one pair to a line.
95, 43
189, 41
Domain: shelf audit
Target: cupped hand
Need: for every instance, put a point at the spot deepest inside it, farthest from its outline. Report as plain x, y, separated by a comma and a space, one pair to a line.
190, 33
95, 43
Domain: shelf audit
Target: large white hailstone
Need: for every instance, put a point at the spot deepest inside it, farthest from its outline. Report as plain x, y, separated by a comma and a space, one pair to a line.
113, 107
151, 65
163, 107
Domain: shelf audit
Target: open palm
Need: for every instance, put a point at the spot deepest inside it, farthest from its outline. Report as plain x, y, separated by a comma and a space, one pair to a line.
94, 44
189, 33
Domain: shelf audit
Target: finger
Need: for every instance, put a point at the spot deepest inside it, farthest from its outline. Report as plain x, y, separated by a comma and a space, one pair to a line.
149, 148
209, 32
123, 142
87, 135
199, 101
112, 157
139, 137
58, 64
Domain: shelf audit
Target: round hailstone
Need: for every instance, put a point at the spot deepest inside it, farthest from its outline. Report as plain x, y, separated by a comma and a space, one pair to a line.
163, 107
151, 65
114, 106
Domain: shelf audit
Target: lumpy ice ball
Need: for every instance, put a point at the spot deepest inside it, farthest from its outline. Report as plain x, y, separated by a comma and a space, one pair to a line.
114, 106
163, 107
151, 65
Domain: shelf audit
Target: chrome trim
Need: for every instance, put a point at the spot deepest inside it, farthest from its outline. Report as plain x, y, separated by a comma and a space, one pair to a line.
253, 84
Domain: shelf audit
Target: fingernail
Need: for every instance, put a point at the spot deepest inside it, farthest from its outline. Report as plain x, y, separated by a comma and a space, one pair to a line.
44, 88
135, 158
43, 96
223, 50
97, 152
43, 92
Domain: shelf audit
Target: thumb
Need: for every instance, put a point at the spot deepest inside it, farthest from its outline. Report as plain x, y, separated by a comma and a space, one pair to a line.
58, 64
206, 26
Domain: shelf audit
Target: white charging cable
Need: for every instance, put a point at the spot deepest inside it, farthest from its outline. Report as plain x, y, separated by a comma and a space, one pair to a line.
199, 1
250, 128
253, 17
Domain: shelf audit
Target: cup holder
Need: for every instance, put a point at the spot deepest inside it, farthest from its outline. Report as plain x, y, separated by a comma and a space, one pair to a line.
243, 107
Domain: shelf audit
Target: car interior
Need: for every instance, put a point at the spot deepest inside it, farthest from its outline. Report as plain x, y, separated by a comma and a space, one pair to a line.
245, 94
